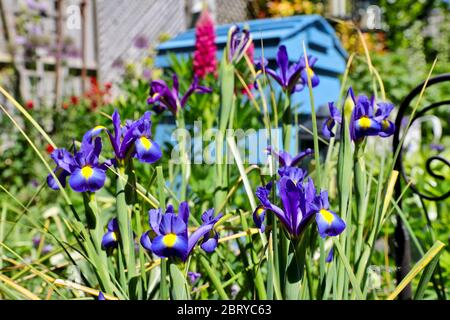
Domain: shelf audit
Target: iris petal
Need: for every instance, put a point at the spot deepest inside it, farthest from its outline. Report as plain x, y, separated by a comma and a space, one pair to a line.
183, 211
290, 197
258, 217
263, 196
327, 128
210, 243
198, 234
145, 241
330, 256
283, 62
366, 126
154, 218
147, 151
178, 247
387, 128
113, 225
80, 182
109, 240
62, 175
329, 223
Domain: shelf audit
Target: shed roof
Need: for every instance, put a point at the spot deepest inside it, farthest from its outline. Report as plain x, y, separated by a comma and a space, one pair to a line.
317, 33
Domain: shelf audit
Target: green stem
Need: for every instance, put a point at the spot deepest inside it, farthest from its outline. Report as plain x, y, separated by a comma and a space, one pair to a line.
163, 286
287, 122
213, 277
360, 188
185, 161
227, 74
93, 242
124, 220
295, 269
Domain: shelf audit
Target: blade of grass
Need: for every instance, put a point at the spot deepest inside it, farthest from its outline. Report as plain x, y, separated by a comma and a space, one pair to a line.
212, 274
163, 285
41, 157
314, 121
238, 160
76, 286
419, 266
18, 288
426, 276
28, 116
348, 268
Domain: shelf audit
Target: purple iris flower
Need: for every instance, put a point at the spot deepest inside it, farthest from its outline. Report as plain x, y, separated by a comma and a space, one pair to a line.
291, 78
141, 42
36, 241
45, 249
41, 7
132, 139
110, 239
193, 276
364, 120
300, 205
328, 124
165, 98
171, 232
237, 44
85, 172
286, 161
330, 255
101, 296
382, 114
259, 215
437, 147
308, 70
328, 222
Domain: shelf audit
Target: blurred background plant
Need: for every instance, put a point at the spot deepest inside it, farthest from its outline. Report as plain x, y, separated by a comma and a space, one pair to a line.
402, 48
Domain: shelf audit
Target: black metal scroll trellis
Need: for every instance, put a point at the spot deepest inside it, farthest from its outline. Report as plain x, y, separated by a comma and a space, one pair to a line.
402, 241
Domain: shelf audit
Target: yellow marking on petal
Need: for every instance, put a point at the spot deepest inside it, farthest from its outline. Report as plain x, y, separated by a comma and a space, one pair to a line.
365, 122
96, 128
114, 236
385, 124
156, 95
327, 216
87, 172
310, 72
169, 240
146, 143
329, 121
260, 211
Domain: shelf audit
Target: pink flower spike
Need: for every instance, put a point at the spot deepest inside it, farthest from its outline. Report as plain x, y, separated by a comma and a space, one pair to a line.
205, 61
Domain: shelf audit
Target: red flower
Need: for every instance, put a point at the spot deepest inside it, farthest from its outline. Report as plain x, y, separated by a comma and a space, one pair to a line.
29, 104
74, 100
94, 104
97, 95
49, 148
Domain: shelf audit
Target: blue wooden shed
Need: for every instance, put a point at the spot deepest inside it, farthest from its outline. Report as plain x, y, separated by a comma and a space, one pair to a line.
318, 35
